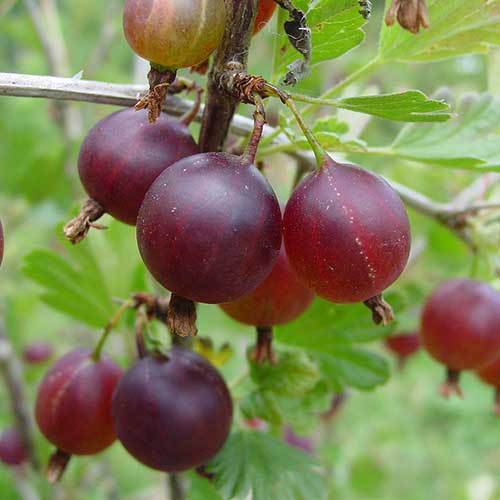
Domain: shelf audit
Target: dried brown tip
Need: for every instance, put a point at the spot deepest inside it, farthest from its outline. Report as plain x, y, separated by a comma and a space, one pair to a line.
450, 386
154, 100
411, 14
58, 463
181, 319
77, 229
382, 312
263, 350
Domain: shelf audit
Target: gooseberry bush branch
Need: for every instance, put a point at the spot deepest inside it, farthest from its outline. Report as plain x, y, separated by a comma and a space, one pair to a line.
48, 87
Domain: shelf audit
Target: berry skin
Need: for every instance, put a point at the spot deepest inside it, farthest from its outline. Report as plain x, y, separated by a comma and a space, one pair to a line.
173, 413
209, 228
403, 345
37, 352
460, 324
279, 299
73, 406
12, 450
174, 33
264, 13
123, 154
490, 373
346, 232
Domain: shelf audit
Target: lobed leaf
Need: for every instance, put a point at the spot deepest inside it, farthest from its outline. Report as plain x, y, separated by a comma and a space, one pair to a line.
262, 467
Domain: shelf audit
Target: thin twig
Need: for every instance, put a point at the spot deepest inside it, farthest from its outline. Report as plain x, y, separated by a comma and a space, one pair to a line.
70, 89
10, 369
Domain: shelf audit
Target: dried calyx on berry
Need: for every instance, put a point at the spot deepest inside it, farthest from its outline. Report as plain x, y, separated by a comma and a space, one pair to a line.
411, 14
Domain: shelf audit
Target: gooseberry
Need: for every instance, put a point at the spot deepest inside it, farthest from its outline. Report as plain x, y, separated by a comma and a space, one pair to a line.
12, 449
73, 405
264, 13
123, 154
174, 33
279, 299
346, 232
172, 412
209, 228
403, 345
459, 327
37, 352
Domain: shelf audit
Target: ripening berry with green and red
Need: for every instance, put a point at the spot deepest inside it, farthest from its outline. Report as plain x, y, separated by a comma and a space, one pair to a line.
174, 33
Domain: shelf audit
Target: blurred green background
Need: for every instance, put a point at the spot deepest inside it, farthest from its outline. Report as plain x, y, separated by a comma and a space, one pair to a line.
398, 441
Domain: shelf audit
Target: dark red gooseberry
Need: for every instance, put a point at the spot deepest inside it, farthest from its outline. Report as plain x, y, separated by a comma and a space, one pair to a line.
347, 234
490, 374
123, 154
264, 13
73, 406
12, 449
209, 228
460, 326
279, 299
173, 413
37, 352
403, 345
174, 33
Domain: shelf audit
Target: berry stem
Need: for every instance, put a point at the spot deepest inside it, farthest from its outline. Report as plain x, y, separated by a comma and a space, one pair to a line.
259, 118
337, 89
317, 148
96, 354
58, 463
263, 350
188, 117
141, 323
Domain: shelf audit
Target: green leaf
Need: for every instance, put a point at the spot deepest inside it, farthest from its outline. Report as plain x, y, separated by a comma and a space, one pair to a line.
335, 27
457, 27
409, 106
259, 466
67, 288
293, 375
82, 281
329, 332
469, 141
201, 488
